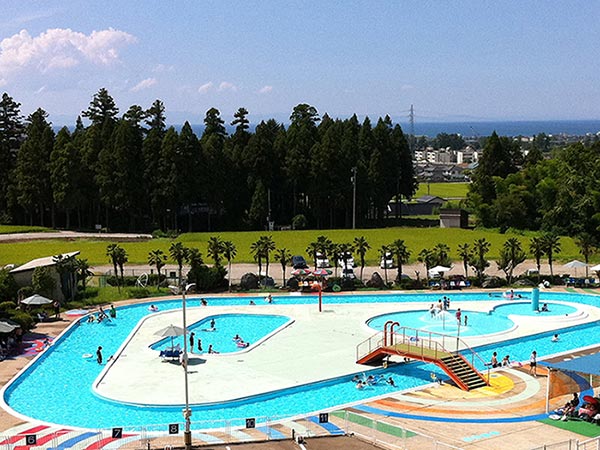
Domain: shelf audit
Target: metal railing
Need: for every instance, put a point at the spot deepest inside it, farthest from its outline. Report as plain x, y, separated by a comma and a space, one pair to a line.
426, 344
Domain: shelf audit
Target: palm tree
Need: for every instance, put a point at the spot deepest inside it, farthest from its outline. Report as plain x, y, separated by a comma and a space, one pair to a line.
268, 246
194, 259
511, 256
122, 258
401, 254
441, 252
214, 249
551, 244
334, 253
257, 251
361, 246
587, 247
312, 249
83, 271
113, 251
383, 251
158, 259
427, 257
480, 248
229, 251
284, 257
464, 251
178, 253
536, 247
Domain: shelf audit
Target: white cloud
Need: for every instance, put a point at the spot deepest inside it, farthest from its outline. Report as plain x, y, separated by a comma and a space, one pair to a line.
265, 89
144, 84
227, 86
205, 87
60, 48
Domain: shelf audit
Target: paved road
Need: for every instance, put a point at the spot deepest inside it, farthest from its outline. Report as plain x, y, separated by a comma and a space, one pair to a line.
15, 237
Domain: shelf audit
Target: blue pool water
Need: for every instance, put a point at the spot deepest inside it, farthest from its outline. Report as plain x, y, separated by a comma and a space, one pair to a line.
250, 327
479, 323
57, 388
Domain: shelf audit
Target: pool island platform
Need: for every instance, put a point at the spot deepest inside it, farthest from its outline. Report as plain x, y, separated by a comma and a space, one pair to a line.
316, 346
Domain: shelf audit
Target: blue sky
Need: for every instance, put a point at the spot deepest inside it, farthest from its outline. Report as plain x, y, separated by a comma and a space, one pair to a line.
453, 60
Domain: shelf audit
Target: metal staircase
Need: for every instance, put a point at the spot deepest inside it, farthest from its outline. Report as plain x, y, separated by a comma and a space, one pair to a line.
424, 346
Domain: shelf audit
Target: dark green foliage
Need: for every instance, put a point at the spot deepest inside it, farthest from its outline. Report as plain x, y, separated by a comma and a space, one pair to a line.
25, 320
139, 292
208, 278
8, 286
299, 222
43, 281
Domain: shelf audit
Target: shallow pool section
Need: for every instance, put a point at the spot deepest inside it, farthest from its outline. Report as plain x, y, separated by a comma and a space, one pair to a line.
220, 332
476, 323
445, 322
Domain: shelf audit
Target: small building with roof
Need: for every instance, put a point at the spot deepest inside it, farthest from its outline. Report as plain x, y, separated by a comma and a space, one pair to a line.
23, 274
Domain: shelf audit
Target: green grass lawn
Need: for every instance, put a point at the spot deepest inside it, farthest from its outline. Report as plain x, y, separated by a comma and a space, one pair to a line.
6, 229
444, 190
296, 241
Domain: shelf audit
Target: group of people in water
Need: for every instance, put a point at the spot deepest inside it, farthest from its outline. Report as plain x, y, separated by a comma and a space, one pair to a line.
371, 380
102, 315
443, 305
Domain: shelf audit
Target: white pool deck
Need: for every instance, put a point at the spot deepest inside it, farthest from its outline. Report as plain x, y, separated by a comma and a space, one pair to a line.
316, 346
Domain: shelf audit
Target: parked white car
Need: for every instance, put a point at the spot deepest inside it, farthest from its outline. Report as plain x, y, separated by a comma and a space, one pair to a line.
322, 261
387, 261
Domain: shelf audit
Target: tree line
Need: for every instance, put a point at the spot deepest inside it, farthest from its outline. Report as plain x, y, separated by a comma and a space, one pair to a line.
132, 172
555, 192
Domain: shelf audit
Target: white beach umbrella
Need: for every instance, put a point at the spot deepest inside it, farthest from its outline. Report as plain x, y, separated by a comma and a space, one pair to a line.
37, 300
170, 331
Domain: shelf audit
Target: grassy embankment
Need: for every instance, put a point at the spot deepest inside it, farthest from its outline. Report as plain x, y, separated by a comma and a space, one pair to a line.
416, 239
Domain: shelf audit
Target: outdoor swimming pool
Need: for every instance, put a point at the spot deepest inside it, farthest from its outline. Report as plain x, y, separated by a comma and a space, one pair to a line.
57, 388
478, 323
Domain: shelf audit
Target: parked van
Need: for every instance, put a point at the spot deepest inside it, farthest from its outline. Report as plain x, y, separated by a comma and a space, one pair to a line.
349, 262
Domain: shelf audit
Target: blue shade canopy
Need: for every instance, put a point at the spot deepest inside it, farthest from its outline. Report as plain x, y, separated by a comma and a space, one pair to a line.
589, 364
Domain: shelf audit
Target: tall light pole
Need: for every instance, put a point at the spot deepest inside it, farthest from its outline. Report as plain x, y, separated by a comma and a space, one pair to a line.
187, 412
354, 198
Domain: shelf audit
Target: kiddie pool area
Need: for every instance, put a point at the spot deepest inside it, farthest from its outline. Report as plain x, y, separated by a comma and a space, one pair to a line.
298, 360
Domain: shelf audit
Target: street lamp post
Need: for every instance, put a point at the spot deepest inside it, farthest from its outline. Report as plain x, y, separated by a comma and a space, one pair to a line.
187, 412
354, 198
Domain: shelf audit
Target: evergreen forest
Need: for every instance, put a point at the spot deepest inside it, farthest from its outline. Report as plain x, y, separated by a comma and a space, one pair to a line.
131, 172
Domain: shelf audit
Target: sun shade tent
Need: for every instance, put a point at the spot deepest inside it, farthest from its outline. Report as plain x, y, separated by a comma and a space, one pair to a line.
575, 264
588, 364
439, 270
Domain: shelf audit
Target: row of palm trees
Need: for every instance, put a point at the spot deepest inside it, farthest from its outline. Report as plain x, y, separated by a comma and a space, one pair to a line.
472, 255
